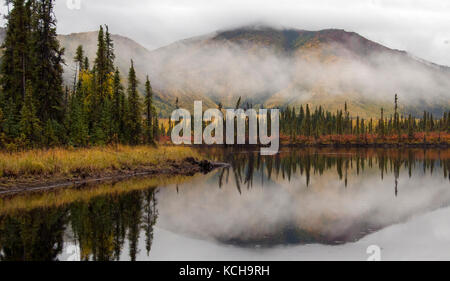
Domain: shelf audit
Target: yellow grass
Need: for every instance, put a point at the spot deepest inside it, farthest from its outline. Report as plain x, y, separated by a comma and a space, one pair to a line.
68, 162
69, 195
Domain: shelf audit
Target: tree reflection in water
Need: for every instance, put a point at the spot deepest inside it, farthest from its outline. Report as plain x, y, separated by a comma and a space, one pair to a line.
316, 161
103, 226
99, 226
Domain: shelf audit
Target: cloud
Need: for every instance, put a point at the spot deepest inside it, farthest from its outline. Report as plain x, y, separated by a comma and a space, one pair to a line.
420, 27
224, 71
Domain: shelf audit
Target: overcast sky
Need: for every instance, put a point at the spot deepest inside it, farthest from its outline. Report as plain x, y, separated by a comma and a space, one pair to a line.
421, 27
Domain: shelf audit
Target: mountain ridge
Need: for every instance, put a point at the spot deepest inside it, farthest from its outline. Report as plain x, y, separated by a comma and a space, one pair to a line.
266, 66
335, 44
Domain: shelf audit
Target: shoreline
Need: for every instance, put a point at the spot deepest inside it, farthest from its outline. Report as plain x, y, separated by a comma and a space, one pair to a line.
61, 167
187, 167
171, 161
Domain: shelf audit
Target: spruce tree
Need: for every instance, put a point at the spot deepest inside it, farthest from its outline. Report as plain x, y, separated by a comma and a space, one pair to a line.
109, 55
101, 66
357, 132
307, 122
118, 109
301, 118
99, 99
339, 125
78, 128
79, 57
30, 127
105, 130
11, 127
156, 130
86, 65
396, 118
15, 66
50, 133
47, 64
148, 103
348, 122
79, 60
134, 108
381, 125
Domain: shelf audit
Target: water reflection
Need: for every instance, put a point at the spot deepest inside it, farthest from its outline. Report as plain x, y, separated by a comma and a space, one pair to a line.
309, 196
316, 161
100, 227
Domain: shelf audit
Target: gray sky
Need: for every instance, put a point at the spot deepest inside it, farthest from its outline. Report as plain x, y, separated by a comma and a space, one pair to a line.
421, 27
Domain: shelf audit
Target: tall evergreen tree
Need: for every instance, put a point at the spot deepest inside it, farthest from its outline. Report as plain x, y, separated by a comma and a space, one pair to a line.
119, 109
101, 66
79, 57
307, 122
30, 127
78, 129
86, 65
396, 117
381, 125
47, 63
104, 133
156, 129
134, 108
101, 119
79, 61
109, 56
10, 125
15, 66
148, 103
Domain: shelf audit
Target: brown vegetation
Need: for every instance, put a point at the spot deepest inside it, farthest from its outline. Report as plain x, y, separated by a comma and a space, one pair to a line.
66, 166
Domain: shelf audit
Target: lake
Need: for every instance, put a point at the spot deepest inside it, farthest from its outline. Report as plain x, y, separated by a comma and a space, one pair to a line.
302, 204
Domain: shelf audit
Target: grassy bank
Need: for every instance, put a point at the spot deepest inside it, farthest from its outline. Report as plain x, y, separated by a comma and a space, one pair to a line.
61, 197
59, 164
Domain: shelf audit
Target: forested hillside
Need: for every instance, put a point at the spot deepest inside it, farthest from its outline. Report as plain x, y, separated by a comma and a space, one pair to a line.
38, 108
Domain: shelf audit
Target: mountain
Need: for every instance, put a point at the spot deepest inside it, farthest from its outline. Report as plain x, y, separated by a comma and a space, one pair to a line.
125, 50
278, 67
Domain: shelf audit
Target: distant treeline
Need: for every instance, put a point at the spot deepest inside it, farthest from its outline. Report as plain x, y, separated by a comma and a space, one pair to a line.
302, 125
297, 123
36, 110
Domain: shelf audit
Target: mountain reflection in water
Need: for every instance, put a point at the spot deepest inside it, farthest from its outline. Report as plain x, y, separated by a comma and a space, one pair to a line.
300, 196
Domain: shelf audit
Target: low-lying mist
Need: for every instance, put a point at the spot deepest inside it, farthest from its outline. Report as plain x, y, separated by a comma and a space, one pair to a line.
271, 76
266, 71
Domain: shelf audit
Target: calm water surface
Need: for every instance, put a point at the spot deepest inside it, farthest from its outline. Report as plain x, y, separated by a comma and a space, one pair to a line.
303, 204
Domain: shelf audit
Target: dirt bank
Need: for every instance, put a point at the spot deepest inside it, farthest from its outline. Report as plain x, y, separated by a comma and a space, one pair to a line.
188, 167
